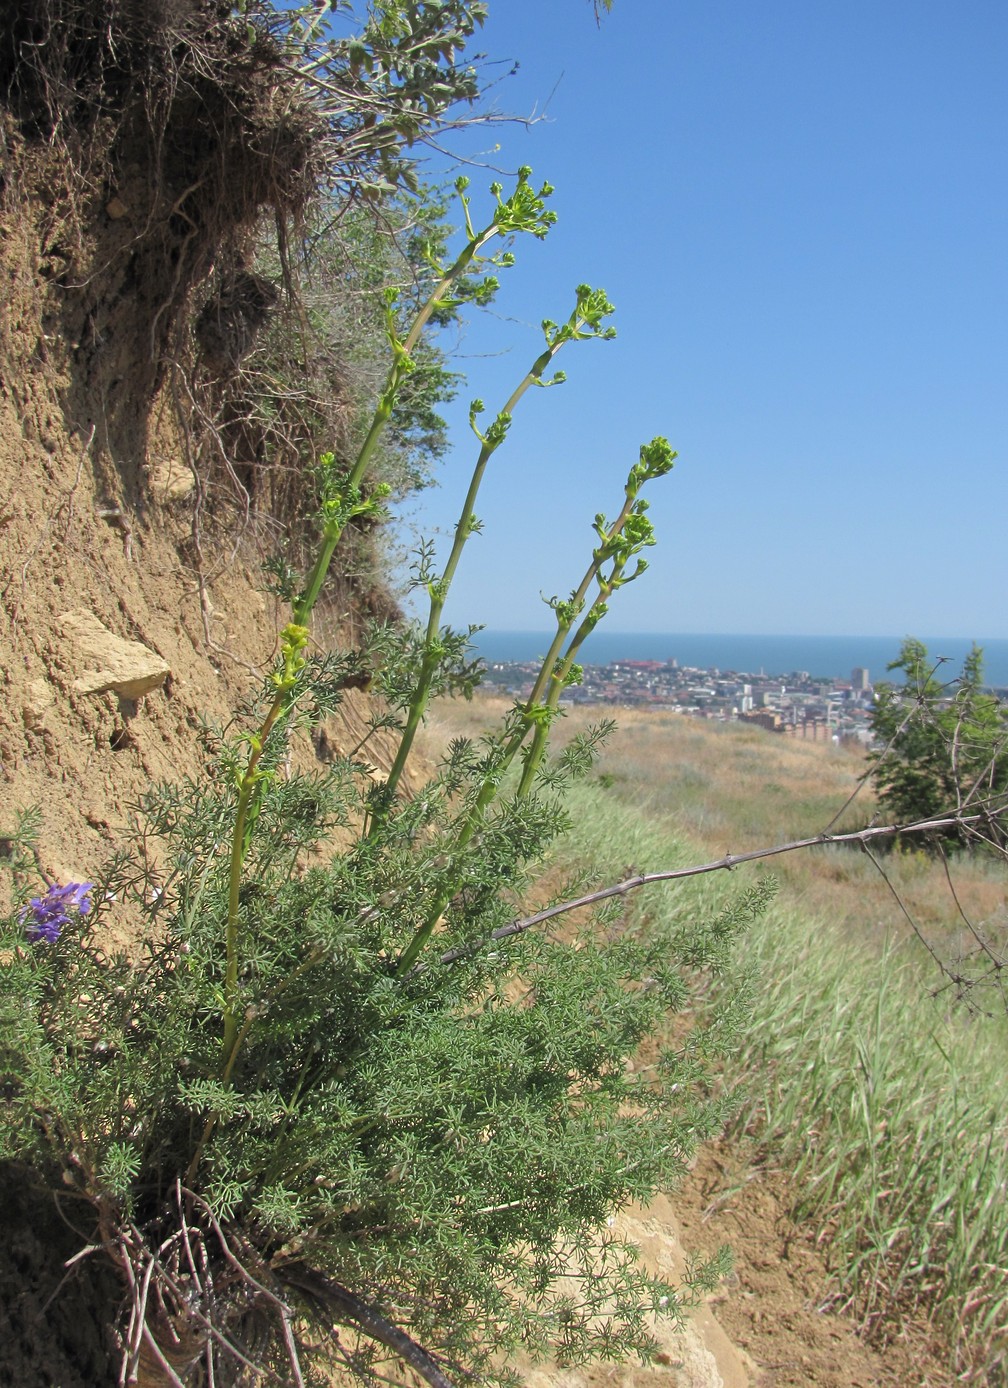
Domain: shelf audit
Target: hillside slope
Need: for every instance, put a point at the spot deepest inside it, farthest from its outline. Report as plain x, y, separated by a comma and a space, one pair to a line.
129, 556
139, 153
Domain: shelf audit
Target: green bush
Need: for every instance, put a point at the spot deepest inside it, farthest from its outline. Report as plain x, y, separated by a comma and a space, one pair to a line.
941, 748
334, 1088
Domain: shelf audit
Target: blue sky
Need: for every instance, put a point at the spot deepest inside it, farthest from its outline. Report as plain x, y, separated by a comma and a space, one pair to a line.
800, 212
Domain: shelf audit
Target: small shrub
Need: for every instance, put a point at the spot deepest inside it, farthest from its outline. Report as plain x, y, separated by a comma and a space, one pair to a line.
345, 1088
941, 745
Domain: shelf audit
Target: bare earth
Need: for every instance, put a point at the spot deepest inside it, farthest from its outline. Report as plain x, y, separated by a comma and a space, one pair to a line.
772, 1306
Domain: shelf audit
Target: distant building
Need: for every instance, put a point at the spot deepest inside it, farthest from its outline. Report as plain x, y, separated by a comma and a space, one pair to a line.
764, 718
859, 678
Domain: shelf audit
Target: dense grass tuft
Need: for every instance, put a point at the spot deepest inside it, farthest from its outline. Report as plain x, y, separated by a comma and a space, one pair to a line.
891, 1118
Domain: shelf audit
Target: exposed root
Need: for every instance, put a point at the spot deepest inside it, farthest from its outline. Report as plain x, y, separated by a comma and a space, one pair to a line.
203, 1300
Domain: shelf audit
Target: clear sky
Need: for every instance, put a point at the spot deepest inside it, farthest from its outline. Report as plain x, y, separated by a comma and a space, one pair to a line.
800, 211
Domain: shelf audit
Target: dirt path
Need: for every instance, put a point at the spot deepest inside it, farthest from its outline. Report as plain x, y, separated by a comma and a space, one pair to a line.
770, 1308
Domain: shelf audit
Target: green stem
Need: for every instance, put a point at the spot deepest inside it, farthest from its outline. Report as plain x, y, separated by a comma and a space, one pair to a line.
249, 785
547, 676
558, 682
563, 629
246, 790
628, 534
438, 591
212, 1120
552, 676
399, 369
585, 320
315, 957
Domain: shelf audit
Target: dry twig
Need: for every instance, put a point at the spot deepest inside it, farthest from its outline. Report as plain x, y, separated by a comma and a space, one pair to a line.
864, 838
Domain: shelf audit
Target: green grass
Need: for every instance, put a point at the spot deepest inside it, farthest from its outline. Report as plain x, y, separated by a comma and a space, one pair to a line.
889, 1113
887, 1108
890, 1116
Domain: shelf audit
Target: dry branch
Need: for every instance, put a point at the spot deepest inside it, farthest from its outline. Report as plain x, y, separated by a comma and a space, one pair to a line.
970, 823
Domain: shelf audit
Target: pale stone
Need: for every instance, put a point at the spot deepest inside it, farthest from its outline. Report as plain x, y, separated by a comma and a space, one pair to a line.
700, 1355
37, 703
707, 1357
171, 479
684, 1361
103, 661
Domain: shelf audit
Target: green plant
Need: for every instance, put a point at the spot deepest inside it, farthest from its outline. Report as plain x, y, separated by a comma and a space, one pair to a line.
327, 1091
307, 384
941, 746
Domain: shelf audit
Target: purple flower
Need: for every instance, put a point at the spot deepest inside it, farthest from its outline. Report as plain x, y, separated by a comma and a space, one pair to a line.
45, 916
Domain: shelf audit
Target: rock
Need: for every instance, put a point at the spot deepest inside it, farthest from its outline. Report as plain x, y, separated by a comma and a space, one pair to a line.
686, 1363
38, 700
102, 661
700, 1355
703, 1355
170, 479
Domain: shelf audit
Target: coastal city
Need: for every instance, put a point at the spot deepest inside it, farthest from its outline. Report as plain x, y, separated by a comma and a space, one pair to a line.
796, 704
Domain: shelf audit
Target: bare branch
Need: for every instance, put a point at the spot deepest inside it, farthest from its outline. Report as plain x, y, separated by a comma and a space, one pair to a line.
905, 910
863, 837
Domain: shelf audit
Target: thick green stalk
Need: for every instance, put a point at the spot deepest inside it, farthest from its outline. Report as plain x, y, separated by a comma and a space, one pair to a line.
293, 639
628, 534
438, 590
245, 793
549, 675
507, 218
585, 321
400, 368
563, 626
534, 704
558, 680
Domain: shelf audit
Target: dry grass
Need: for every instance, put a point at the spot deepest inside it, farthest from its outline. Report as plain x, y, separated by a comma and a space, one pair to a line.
729, 788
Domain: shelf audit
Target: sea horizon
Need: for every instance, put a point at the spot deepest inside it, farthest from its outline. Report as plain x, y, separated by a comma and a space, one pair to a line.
831, 657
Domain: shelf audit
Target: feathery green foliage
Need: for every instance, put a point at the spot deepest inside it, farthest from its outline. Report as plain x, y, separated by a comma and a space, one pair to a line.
293, 1077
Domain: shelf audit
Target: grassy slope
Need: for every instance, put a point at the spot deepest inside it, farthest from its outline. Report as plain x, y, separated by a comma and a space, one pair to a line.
886, 1102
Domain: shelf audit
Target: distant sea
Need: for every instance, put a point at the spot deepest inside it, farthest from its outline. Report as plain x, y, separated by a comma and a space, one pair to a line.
831, 657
